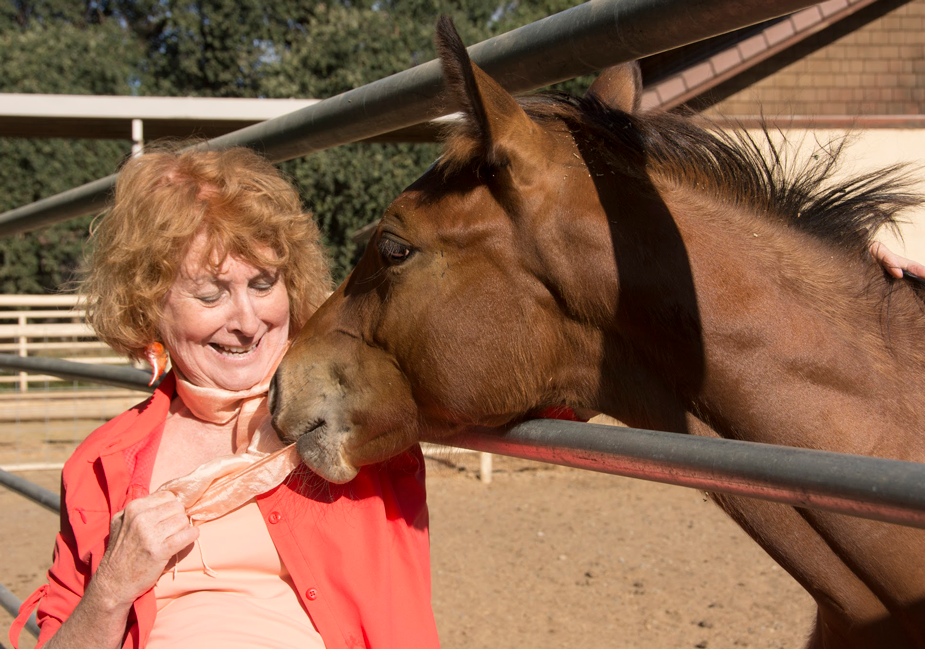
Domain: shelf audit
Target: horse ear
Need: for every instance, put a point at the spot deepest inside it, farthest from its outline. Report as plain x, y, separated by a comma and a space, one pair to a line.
497, 125
619, 87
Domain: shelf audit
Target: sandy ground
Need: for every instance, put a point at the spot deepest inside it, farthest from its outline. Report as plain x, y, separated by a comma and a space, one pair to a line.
549, 557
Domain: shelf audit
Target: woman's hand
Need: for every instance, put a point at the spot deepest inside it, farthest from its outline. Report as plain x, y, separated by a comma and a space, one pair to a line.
893, 263
143, 538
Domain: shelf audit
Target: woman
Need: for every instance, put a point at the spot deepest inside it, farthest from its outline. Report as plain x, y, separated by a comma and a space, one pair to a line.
183, 522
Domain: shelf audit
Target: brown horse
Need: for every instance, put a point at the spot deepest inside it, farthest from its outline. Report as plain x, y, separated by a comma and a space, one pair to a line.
573, 251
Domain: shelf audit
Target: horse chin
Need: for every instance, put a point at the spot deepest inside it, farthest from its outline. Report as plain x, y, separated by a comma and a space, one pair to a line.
323, 454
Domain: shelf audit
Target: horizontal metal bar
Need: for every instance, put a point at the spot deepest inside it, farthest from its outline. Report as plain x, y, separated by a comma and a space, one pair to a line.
880, 489
577, 41
120, 377
47, 499
11, 603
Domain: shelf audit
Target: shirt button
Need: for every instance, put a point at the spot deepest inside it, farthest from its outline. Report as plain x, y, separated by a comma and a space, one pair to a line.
311, 594
274, 518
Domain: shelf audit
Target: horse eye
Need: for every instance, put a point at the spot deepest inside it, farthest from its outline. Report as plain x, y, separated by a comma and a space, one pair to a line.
392, 251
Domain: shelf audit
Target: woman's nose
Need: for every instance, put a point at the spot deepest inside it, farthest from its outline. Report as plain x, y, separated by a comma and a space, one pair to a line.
244, 319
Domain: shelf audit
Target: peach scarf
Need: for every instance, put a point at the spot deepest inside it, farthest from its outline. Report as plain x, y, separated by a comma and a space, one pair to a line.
259, 463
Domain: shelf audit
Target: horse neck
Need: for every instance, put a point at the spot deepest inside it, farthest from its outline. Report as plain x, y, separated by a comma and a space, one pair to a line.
757, 331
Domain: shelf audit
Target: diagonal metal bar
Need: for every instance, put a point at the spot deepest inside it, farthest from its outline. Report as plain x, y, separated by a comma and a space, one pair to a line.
120, 377
583, 39
11, 604
39, 495
868, 487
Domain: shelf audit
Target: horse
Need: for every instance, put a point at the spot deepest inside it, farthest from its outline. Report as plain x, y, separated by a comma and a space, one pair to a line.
576, 251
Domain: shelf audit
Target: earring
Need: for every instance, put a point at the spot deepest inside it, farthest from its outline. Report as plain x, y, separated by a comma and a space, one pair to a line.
156, 355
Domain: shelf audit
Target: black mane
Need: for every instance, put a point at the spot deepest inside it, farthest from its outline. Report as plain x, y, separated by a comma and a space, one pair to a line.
755, 172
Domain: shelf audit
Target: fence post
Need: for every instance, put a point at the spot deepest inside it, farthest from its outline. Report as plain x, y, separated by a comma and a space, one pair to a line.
23, 352
138, 136
485, 468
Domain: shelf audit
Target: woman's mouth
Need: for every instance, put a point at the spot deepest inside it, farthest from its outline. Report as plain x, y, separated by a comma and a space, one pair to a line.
234, 351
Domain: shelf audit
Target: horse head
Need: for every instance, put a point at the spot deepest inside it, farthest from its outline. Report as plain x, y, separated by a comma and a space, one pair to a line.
465, 309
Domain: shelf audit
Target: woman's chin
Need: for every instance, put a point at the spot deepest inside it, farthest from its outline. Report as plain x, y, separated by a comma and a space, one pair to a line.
232, 377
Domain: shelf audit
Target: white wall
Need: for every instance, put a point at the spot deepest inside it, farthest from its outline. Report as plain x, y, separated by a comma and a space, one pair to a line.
876, 148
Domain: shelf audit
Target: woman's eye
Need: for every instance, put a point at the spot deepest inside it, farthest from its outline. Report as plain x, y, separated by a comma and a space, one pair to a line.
392, 251
209, 299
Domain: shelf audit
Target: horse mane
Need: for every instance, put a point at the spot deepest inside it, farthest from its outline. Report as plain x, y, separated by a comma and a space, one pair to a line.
749, 171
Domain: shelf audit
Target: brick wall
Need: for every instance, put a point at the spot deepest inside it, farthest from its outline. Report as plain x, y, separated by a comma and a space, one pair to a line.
877, 69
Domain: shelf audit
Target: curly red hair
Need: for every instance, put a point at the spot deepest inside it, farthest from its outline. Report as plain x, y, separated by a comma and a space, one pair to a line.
163, 198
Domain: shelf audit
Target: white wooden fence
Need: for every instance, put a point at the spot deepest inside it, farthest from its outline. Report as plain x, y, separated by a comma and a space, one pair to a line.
42, 418
56, 328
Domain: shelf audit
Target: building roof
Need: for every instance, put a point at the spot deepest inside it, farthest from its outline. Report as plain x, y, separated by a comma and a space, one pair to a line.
111, 117
836, 61
698, 76
746, 48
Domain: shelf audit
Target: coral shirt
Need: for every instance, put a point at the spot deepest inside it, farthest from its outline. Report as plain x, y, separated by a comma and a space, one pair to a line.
358, 554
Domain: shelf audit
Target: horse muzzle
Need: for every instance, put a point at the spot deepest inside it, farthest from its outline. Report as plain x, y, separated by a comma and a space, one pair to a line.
307, 417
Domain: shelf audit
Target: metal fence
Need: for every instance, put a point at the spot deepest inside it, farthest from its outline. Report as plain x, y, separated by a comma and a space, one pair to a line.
578, 41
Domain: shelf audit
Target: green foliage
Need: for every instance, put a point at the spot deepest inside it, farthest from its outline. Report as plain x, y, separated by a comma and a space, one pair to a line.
329, 180
56, 47
220, 48
45, 260
73, 60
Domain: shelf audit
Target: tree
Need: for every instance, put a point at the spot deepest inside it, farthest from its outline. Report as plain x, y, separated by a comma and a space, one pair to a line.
221, 48
56, 47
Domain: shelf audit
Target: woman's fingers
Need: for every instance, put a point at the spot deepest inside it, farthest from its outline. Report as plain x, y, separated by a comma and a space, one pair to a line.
176, 533
143, 539
182, 539
886, 258
893, 263
149, 521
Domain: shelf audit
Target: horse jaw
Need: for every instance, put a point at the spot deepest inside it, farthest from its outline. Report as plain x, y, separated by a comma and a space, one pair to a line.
341, 416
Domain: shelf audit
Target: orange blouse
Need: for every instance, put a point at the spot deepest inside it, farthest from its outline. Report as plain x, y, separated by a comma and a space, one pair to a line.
250, 583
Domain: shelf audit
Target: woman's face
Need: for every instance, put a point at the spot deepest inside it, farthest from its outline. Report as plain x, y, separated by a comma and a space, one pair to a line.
226, 329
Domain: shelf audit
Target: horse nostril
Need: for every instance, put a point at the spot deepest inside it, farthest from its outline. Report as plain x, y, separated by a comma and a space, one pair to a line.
271, 395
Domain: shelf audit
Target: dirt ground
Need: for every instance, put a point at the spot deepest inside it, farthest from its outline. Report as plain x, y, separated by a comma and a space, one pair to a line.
549, 557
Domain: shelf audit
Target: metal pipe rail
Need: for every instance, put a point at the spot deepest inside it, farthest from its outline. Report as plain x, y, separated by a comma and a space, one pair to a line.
892, 491
120, 377
577, 41
11, 604
39, 495
46, 499
886, 490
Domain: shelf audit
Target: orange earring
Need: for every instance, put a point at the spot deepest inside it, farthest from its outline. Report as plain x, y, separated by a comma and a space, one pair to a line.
156, 355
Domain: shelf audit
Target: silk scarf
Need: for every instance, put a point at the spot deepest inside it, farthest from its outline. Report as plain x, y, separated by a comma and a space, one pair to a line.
259, 462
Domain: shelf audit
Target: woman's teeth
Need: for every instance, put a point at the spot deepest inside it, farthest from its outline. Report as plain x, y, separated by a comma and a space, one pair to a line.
234, 351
